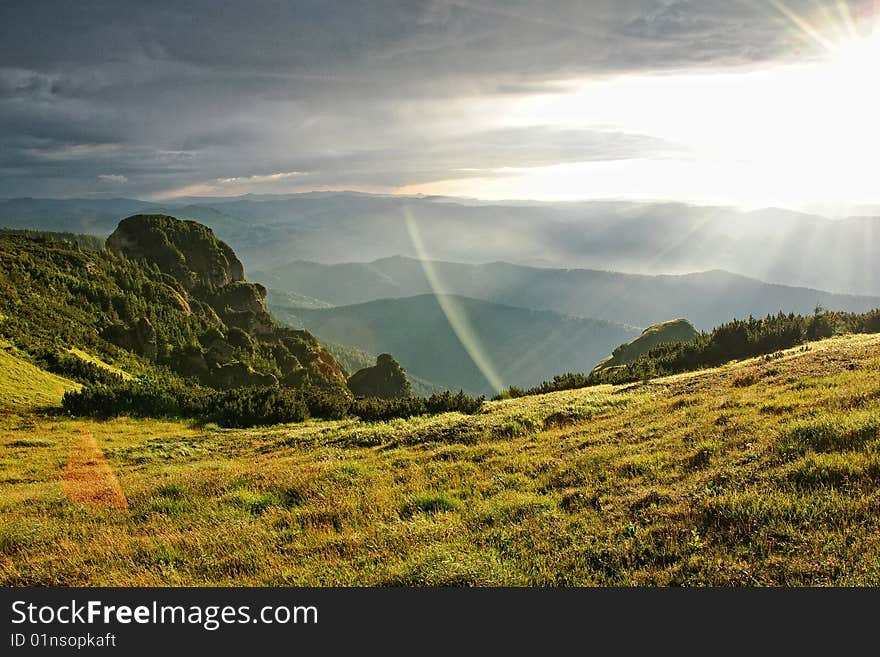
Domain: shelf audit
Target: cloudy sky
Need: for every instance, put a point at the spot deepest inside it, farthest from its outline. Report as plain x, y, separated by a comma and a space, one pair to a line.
749, 102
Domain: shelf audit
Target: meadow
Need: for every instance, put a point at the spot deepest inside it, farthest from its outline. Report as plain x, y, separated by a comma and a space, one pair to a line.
759, 472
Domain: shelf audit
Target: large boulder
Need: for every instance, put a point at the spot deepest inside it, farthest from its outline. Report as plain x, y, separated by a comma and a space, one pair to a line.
385, 380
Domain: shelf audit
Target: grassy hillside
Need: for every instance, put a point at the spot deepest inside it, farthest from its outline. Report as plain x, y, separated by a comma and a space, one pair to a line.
734, 341
525, 347
707, 299
26, 387
97, 362
763, 472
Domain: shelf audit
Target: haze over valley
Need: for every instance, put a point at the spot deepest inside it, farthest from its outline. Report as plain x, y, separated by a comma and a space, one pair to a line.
774, 246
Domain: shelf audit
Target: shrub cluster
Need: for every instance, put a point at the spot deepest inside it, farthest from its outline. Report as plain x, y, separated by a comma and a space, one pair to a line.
143, 398
377, 410
72, 367
151, 397
571, 381
250, 406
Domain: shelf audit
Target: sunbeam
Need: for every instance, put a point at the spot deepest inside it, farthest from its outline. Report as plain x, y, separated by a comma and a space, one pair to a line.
802, 24
455, 315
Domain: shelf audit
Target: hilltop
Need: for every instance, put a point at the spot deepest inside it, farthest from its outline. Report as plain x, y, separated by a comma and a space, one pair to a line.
761, 472
671, 332
186, 250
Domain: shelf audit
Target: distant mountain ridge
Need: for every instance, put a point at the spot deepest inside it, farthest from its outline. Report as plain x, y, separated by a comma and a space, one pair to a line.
707, 298
775, 245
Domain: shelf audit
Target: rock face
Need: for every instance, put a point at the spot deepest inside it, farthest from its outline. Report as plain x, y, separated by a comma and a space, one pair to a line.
140, 338
186, 250
676, 330
239, 375
202, 274
385, 380
242, 305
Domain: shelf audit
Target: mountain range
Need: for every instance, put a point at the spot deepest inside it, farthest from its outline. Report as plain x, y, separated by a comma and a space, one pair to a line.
707, 299
351, 267
773, 245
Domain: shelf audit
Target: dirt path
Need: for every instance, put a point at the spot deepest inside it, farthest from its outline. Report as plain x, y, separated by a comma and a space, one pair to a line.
88, 478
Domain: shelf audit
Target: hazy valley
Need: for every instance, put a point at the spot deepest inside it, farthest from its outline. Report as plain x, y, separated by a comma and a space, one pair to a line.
523, 347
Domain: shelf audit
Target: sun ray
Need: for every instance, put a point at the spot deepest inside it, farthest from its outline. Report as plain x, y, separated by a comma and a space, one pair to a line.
801, 23
847, 18
831, 23
455, 314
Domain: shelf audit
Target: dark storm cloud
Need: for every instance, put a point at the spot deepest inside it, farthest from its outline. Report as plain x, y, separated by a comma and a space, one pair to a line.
152, 96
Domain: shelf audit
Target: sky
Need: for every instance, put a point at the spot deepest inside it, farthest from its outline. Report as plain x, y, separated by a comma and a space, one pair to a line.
743, 102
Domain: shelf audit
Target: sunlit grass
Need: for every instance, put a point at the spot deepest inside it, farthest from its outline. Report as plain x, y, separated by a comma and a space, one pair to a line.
88, 358
699, 479
24, 386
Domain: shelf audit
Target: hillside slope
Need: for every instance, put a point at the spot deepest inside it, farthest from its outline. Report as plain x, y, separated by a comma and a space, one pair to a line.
707, 299
759, 473
523, 346
25, 387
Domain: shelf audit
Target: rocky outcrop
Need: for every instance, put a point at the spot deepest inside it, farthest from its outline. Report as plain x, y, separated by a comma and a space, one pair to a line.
140, 338
239, 375
385, 380
311, 354
186, 250
201, 275
240, 296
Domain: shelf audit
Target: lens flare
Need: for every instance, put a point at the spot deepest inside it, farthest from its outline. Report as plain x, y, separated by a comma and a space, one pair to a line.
452, 309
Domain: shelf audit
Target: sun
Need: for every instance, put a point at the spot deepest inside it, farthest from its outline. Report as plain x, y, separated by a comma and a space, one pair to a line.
858, 59
847, 97
797, 132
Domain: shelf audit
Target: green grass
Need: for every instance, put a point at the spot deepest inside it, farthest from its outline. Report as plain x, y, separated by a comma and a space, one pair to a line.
25, 387
695, 479
832, 432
